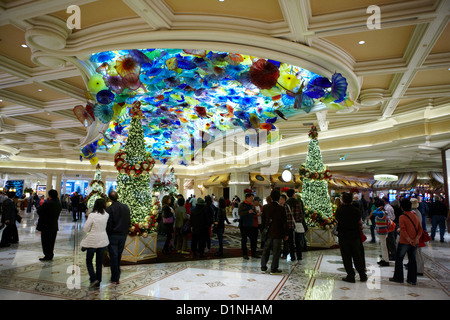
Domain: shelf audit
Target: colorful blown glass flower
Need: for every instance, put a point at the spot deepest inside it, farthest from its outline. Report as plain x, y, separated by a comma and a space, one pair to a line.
105, 97
338, 87
104, 112
126, 65
264, 74
115, 83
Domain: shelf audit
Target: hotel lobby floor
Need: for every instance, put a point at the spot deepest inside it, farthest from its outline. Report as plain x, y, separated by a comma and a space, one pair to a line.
317, 277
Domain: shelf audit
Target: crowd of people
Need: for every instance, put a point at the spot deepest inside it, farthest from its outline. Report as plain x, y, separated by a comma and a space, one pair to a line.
278, 226
400, 226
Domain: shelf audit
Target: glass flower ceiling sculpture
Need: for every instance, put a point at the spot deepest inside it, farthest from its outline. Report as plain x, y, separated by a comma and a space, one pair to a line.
196, 94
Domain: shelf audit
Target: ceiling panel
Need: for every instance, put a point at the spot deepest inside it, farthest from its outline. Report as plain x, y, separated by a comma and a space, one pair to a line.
11, 41
265, 10
431, 78
319, 7
379, 44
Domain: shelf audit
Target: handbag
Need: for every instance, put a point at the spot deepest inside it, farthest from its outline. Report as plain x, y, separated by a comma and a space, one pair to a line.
186, 229
363, 237
299, 227
168, 220
390, 225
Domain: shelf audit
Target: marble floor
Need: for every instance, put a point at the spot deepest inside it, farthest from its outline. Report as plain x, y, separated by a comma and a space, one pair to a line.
317, 277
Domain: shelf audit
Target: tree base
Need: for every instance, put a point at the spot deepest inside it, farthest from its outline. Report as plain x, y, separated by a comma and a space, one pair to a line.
139, 249
322, 238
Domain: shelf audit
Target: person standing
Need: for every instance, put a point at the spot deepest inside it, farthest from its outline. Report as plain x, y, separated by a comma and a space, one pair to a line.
349, 227
381, 222
390, 239
219, 222
75, 203
200, 223
96, 241
117, 229
246, 224
181, 218
9, 215
438, 213
275, 220
410, 232
235, 213
424, 210
298, 213
48, 223
168, 219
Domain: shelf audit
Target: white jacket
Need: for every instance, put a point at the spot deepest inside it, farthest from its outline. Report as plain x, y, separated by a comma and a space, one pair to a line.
95, 226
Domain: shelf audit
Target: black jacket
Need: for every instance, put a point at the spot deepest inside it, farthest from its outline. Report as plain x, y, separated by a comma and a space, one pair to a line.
9, 211
274, 217
49, 215
119, 218
349, 225
200, 221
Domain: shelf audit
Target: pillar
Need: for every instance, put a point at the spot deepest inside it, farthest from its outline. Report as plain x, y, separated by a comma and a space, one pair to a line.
238, 183
58, 184
49, 184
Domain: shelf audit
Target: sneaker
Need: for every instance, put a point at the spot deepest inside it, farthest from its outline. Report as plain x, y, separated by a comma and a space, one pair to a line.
263, 269
278, 271
95, 284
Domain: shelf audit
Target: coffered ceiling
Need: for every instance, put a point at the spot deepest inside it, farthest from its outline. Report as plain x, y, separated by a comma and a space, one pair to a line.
399, 77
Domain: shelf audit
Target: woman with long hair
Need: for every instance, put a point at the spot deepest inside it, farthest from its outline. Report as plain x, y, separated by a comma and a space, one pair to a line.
96, 241
168, 219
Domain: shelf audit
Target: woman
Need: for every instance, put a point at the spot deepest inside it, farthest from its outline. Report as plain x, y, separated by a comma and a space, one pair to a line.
419, 256
381, 221
219, 222
181, 218
96, 241
168, 218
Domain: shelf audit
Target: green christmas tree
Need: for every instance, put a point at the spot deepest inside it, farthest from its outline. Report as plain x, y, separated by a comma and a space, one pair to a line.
315, 176
96, 188
133, 181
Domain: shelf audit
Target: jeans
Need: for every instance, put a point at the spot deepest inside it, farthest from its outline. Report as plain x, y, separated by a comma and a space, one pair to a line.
435, 221
115, 249
275, 245
402, 249
97, 274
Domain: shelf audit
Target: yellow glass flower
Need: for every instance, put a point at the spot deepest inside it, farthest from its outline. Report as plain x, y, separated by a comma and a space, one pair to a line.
288, 81
96, 83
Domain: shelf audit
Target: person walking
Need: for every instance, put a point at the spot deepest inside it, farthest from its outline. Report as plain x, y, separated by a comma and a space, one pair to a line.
117, 229
275, 221
219, 222
48, 224
419, 256
410, 232
75, 203
349, 227
96, 241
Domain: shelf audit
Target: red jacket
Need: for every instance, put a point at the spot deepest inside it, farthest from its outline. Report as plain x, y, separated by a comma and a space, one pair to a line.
410, 229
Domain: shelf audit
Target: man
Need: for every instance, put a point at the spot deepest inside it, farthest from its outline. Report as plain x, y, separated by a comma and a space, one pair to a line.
275, 221
246, 224
438, 214
75, 203
296, 239
410, 232
390, 240
9, 214
235, 211
349, 234
48, 224
117, 228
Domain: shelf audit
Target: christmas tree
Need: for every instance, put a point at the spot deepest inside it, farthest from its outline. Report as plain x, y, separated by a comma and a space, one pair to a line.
133, 181
96, 188
315, 176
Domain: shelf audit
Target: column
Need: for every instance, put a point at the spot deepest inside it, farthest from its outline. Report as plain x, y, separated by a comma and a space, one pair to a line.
58, 184
238, 183
49, 184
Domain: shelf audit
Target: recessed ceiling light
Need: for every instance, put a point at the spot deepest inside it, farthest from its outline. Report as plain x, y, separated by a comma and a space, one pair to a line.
362, 42
40, 90
24, 46
221, 0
